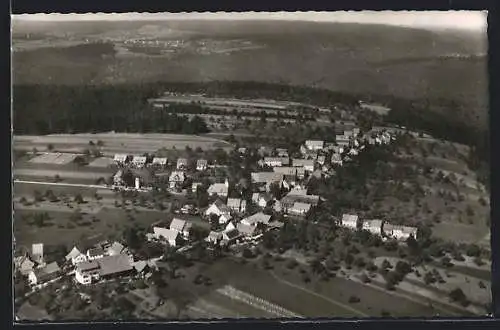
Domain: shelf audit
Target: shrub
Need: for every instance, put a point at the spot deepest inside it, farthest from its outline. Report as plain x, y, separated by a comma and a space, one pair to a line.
354, 299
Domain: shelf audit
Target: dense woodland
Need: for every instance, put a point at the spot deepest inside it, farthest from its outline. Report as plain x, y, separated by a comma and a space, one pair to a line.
57, 109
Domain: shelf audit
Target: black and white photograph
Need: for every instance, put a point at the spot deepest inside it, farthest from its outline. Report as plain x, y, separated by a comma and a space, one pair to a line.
250, 165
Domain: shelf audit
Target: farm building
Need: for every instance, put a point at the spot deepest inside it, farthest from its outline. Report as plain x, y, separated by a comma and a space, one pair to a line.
238, 205
373, 226
401, 233
87, 272
183, 227
256, 218
44, 274
109, 266
201, 164
350, 221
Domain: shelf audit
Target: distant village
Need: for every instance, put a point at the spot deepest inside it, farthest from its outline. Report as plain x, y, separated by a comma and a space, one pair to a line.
237, 220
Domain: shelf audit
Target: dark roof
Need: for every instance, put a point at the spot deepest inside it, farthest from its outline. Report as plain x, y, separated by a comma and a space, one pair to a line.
98, 251
114, 264
87, 265
233, 233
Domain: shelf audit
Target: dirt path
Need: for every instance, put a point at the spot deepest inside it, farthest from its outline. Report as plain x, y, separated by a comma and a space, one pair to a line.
344, 306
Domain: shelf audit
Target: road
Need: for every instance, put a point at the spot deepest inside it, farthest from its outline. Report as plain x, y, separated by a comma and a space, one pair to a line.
63, 184
344, 306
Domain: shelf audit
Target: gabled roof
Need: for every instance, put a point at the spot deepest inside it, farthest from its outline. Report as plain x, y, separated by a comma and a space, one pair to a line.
87, 266
139, 265
314, 143
373, 223
349, 218
266, 177
233, 233
217, 188
94, 252
258, 217
215, 235
223, 208
116, 248
49, 269
167, 233
176, 176
177, 224
182, 161
302, 162
286, 170
282, 160
404, 229
201, 162
139, 159
120, 157
298, 206
114, 264
73, 253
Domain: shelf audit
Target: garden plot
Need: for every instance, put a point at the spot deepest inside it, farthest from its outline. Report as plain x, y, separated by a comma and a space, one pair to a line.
61, 174
54, 158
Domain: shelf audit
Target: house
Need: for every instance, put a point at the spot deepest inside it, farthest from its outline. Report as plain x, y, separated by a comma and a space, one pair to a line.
221, 210
353, 152
242, 150
44, 274
267, 177
300, 208
201, 164
256, 218
321, 160
230, 236
95, 253
338, 149
24, 265
160, 162
195, 185
87, 272
237, 204
356, 131
276, 161
350, 221
246, 230
140, 266
75, 256
261, 199
278, 207
342, 140
176, 178
401, 233
182, 163
336, 159
230, 226
314, 144
165, 234
307, 164
139, 161
183, 227
214, 237
37, 253
219, 189
300, 195
373, 226
120, 159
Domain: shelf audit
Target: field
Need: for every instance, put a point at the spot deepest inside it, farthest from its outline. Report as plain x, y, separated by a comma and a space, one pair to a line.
118, 142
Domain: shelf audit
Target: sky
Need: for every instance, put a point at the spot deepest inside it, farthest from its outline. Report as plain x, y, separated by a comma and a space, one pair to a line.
463, 20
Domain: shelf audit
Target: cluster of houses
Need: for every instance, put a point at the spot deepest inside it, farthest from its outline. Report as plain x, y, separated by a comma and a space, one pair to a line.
178, 231
379, 227
33, 266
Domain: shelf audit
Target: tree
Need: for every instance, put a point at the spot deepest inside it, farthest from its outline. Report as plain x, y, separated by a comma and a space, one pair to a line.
247, 253
386, 264
79, 199
50, 147
473, 250
429, 278
457, 295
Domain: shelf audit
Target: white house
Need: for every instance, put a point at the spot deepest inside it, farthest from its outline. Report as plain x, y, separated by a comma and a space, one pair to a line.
87, 272
120, 159
373, 226
299, 208
159, 162
182, 163
37, 253
307, 164
201, 164
169, 235
238, 205
221, 210
139, 161
314, 144
176, 178
181, 226
219, 189
44, 274
256, 218
75, 256
214, 237
401, 233
336, 159
350, 221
